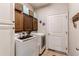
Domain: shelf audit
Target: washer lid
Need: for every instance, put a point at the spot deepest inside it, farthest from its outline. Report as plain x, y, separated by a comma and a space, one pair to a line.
24, 40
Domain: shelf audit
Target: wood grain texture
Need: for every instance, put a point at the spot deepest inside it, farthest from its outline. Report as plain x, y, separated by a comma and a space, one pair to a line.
35, 24
18, 21
27, 22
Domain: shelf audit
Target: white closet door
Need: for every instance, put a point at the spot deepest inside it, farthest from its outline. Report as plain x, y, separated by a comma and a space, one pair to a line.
57, 28
6, 40
6, 11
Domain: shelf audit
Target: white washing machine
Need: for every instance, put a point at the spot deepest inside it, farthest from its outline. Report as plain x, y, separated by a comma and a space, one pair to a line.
27, 47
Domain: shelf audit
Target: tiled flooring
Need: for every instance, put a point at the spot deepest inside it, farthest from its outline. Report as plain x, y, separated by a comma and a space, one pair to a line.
53, 53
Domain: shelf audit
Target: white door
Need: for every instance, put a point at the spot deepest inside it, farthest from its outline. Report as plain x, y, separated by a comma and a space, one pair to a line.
57, 32
76, 47
6, 40
7, 11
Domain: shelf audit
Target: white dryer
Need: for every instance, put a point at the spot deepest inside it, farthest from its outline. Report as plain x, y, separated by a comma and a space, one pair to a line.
41, 41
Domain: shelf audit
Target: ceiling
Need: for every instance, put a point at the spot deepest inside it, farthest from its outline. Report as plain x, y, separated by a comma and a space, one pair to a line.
38, 5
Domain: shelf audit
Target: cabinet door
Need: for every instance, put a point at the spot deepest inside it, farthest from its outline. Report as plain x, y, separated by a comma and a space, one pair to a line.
6, 11
18, 6
18, 21
35, 24
6, 40
27, 23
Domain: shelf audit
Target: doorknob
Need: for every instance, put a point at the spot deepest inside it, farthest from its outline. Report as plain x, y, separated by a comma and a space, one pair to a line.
77, 49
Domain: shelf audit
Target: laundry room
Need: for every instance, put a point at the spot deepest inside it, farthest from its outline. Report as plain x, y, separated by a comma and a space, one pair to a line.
39, 29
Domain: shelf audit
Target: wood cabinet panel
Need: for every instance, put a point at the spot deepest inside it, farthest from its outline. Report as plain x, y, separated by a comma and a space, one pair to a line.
24, 22
35, 24
18, 21
27, 22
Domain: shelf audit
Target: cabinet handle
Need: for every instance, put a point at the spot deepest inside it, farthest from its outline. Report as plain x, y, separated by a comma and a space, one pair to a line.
77, 49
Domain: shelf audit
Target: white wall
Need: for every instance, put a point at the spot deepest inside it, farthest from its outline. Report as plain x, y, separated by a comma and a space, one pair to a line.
44, 12
73, 32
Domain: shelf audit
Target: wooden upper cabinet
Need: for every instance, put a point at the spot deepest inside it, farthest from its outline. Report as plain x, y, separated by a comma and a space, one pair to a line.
24, 22
35, 24
18, 21
18, 6
27, 22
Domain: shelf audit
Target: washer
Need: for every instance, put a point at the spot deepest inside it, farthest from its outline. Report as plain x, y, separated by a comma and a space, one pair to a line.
27, 47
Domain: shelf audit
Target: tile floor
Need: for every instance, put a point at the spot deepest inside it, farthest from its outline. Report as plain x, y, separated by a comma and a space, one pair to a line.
53, 53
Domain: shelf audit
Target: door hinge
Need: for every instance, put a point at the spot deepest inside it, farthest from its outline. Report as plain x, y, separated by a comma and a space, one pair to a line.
13, 21
66, 48
66, 32
13, 27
